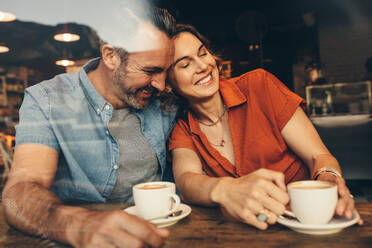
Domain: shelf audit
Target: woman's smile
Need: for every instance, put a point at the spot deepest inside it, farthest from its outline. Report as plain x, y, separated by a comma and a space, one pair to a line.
206, 80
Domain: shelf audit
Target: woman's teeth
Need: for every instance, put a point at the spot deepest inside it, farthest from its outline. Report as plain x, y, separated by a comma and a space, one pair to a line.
204, 81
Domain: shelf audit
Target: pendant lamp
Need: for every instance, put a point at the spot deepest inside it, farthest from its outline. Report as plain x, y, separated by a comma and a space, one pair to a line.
3, 48
66, 36
65, 62
6, 17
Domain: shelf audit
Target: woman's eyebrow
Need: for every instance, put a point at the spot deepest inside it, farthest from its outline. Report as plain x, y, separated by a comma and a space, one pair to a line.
178, 60
186, 57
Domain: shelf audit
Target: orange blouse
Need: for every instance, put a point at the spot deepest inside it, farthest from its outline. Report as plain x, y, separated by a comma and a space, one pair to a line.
259, 106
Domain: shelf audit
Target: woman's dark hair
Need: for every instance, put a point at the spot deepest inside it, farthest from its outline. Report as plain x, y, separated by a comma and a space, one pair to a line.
170, 97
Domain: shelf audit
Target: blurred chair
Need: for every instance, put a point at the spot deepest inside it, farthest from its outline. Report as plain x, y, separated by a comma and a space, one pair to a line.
7, 156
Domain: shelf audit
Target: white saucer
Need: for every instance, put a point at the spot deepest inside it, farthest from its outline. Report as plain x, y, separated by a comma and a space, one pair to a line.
163, 222
334, 226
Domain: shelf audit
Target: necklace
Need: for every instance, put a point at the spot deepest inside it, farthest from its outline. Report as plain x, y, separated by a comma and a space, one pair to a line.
222, 142
215, 122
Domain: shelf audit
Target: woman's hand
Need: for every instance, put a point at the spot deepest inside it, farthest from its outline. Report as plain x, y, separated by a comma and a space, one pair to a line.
260, 192
345, 205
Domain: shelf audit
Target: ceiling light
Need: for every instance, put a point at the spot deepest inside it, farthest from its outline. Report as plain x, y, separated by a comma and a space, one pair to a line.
65, 62
6, 17
66, 37
4, 49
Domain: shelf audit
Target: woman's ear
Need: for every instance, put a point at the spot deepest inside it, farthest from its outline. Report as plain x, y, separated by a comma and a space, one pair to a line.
110, 57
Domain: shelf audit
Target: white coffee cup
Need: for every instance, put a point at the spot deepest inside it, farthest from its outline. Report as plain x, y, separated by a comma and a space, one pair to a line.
155, 200
312, 202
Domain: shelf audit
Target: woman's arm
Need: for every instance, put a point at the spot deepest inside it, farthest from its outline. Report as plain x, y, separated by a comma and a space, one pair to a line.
301, 136
262, 191
188, 175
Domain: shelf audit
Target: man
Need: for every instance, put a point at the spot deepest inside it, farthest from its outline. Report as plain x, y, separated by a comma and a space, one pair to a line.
90, 136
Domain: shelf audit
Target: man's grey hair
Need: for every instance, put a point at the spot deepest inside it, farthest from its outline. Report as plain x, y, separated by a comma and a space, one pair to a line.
160, 18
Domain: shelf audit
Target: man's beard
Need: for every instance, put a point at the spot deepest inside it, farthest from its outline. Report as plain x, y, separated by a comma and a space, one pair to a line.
127, 95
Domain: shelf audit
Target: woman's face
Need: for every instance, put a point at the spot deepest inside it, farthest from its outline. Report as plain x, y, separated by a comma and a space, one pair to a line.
194, 73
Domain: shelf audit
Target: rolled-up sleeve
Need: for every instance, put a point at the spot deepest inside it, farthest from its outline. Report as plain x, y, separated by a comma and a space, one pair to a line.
282, 102
34, 125
181, 137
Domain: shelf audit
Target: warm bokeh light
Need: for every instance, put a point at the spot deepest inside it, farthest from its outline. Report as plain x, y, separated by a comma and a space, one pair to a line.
4, 49
67, 37
6, 17
65, 62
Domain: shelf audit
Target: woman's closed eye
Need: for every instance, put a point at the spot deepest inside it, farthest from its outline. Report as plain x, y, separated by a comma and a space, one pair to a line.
184, 65
203, 52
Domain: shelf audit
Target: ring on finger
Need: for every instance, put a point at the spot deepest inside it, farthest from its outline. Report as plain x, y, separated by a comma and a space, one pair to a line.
263, 215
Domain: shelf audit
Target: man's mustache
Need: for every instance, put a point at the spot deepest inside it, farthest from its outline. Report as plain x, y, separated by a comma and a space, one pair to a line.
148, 90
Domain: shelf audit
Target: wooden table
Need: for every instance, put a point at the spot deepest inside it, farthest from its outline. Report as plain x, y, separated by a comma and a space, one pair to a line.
205, 227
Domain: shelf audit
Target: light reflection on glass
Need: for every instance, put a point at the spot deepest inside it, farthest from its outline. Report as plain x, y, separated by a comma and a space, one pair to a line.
4, 49
6, 17
67, 37
65, 62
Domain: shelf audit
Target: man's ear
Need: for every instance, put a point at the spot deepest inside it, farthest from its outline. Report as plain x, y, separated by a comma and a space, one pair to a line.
110, 57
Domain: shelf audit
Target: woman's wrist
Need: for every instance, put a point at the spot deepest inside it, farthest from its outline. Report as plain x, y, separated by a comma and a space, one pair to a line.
217, 193
326, 171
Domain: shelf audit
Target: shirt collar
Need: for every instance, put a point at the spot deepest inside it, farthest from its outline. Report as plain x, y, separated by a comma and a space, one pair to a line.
94, 98
231, 95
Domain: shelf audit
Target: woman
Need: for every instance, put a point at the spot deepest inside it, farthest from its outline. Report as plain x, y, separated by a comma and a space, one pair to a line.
239, 141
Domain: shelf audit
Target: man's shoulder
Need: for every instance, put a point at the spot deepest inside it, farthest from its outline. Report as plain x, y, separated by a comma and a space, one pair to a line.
61, 83
154, 117
154, 108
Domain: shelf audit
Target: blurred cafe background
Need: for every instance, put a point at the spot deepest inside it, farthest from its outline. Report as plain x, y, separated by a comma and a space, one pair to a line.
321, 49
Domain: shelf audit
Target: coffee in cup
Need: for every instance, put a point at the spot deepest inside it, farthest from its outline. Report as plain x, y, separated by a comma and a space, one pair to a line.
155, 200
312, 202
153, 186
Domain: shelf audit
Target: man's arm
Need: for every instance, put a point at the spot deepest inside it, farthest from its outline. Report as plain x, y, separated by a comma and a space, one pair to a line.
32, 207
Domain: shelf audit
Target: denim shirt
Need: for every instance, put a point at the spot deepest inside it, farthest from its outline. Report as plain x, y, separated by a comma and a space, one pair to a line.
69, 115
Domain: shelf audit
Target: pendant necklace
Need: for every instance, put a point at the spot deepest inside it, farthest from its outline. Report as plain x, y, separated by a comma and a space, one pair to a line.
222, 142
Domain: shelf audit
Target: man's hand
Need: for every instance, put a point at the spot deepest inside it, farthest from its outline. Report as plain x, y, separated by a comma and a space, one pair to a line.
116, 229
30, 206
262, 191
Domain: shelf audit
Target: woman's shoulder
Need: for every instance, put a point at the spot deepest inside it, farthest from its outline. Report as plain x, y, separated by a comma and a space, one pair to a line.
182, 121
252, 80
251, 76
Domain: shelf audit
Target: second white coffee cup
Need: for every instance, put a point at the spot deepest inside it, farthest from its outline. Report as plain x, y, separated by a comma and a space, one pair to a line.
155, 199
312, 202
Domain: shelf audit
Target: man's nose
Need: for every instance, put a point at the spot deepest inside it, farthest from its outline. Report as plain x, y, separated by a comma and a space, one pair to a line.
158, 81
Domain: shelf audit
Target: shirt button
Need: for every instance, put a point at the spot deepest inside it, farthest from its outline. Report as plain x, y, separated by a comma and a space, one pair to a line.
98, 111
116, 167
107, 107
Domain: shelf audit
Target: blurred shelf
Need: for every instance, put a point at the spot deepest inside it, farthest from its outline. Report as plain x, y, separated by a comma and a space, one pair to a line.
341, 120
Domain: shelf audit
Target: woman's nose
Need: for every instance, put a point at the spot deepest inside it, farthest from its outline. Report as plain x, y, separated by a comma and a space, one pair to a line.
201, 65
